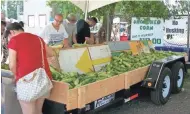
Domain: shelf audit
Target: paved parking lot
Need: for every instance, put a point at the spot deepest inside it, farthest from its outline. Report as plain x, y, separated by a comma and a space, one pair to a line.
178, 104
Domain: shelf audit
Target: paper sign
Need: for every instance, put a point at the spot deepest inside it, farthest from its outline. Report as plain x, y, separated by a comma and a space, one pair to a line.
148, 29
136, 47
176, 32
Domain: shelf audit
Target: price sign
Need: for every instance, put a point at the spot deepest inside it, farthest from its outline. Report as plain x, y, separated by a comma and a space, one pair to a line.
136, 47
148, 29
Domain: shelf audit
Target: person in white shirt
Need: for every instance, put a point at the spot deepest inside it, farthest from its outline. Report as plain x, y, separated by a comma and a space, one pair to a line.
95, 25
55, 33
71, 28
94, 29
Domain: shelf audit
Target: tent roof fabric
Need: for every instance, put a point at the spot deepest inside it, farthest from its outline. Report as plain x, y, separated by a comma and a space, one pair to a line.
92, 4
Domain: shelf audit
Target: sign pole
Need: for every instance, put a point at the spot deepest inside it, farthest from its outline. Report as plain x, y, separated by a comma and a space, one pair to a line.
188, 28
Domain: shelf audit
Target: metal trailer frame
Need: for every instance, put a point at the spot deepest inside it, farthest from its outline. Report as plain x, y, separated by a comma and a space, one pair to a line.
121, 96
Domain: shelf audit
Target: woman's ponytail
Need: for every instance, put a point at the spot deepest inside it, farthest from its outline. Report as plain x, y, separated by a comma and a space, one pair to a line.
15, 26
21, 23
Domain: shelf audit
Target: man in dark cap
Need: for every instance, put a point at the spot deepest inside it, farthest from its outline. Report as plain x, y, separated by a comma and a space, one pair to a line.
83, 30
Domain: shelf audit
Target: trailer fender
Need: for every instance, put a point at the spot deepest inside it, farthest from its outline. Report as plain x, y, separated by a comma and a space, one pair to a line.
156, 69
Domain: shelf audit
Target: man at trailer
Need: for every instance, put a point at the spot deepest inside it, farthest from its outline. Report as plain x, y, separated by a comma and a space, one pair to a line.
83, 30
55, 33
71, 28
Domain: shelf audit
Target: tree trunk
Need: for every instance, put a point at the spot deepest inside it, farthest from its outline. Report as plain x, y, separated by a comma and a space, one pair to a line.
109, 15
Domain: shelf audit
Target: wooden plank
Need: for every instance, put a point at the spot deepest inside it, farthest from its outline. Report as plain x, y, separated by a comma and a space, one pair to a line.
81, 97
71, 48
72, 99
122, 51
59, 93
96, 45
126, 84
100, 56
103, 88
73, 60
135, 76
119, 45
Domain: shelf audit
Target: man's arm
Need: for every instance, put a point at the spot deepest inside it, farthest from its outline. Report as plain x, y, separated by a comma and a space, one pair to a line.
49, 51
65, 41
74, 39
96, 28
74, 36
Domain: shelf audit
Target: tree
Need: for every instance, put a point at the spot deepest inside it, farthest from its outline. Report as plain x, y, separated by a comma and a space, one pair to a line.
12, 7
182, 7
128, 9
105, 12
131, 9
64, 7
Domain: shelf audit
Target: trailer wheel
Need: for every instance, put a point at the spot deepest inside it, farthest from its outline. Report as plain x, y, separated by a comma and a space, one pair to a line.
177, 77
163, 90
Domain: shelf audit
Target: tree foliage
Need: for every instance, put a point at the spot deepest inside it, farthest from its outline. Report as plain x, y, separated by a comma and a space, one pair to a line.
12, 7
64, 7
104, 11
181, 7
131, 9
127, 9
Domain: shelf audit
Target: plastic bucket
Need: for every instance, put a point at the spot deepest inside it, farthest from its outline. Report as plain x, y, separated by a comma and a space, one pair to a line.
123, 38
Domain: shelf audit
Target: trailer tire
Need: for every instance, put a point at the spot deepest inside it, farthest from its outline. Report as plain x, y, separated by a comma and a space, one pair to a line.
161, 94
177, 77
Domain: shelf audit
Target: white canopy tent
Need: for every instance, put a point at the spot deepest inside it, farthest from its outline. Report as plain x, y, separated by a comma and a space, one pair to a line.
90, 5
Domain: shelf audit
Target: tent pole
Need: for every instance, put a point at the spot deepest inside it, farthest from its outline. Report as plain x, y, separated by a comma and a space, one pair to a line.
107, 28
86, 9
